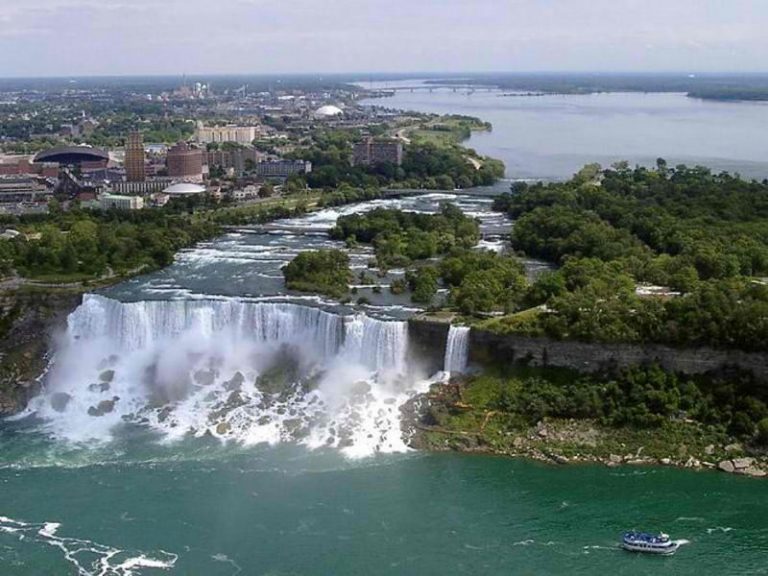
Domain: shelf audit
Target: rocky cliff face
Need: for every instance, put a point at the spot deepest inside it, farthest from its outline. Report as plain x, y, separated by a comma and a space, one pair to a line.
29, 320
428, 340
486, 347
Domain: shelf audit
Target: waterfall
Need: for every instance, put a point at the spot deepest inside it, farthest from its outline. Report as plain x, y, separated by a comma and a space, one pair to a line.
457, 349
249, 371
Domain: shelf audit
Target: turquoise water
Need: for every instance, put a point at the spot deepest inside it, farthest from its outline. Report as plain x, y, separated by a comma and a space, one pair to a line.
213, 510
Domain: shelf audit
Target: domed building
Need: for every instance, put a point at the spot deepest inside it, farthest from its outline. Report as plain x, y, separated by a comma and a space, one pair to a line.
184, 189
328, 112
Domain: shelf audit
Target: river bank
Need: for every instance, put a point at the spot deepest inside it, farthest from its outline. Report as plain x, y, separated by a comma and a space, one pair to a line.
452, 418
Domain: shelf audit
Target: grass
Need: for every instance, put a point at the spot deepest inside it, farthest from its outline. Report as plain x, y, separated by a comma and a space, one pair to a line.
525, 322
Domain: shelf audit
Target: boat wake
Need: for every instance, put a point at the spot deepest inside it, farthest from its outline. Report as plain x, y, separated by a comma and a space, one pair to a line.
89, 558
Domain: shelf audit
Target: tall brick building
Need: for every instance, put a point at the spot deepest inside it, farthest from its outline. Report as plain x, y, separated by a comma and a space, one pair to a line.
185, 162
134, 158
371, 151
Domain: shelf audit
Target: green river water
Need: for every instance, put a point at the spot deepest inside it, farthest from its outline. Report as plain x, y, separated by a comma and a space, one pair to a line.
212, 510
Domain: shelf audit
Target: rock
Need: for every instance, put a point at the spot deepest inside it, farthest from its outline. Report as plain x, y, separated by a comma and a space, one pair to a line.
665, 461
743, 463
754, 471
560, 459
735, 447
205, 377
107, 376
726, 466
614, 459
709, 450
103, 407
235, 382
223, 428
100, 387
60, 400
692, 463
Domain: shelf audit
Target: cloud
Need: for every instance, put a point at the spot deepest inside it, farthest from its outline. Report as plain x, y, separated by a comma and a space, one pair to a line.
254, 36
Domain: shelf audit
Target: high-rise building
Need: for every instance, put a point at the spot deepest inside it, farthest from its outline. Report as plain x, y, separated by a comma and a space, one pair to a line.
370, 152
185, 162
134, 158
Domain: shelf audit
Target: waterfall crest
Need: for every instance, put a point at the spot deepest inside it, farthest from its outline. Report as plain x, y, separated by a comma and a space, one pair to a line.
457, 350
249, 371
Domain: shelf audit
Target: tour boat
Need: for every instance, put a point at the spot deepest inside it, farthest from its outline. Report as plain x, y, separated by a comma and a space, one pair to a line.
649, 543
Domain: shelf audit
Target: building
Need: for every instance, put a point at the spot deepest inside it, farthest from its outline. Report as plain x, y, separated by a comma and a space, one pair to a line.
108, 201
282, 168
140, 188
185, 162
328, 112
235, 134
234, 159
15, 189
134, 158
183, 189
371, 151
84, 156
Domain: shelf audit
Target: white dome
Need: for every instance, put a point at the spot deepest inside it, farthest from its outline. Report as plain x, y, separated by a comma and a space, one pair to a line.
184, 188
329, 111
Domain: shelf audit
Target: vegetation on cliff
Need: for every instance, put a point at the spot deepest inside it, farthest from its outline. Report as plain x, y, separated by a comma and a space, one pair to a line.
638, 411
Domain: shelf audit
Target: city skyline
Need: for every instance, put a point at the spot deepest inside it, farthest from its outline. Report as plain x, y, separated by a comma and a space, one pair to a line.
114, 37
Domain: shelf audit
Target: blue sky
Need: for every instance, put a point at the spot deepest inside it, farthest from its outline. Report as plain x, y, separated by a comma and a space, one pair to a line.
98, 37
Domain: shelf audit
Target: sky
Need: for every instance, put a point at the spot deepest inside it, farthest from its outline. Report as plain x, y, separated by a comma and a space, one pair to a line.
134, 37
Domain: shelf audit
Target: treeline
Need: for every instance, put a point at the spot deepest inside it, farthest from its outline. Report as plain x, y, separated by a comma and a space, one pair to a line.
402, 237
425, 165
703, 235
91, 244
322, 271
639, 397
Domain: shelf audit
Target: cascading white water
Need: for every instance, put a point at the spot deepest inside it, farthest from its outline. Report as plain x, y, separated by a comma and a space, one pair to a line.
457, 350
248, 371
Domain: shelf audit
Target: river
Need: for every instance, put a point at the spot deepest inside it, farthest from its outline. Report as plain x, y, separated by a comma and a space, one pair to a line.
202, 420
550, 137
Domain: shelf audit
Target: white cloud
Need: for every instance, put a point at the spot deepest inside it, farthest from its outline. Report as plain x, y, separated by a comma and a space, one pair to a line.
251, 36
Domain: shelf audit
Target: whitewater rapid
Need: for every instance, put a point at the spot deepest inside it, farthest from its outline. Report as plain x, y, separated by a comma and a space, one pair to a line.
251, 372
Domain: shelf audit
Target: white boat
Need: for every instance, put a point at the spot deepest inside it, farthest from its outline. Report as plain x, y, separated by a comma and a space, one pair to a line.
649, 543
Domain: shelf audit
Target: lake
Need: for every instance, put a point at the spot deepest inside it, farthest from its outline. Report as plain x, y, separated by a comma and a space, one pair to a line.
551, 137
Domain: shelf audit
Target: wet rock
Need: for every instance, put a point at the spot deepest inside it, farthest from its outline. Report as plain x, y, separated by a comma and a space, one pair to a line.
360, 389
60, 401
235, 383
726, 466
163, 415
560, 459
100, 387
223, 428
205, 377
102, 408
107, 376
